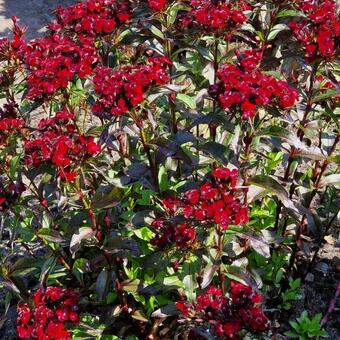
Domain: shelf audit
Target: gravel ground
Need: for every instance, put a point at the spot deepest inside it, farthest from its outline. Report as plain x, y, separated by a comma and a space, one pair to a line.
34, 14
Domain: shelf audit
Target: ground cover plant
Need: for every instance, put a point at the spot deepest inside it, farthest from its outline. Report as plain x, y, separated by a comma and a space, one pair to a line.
170, 170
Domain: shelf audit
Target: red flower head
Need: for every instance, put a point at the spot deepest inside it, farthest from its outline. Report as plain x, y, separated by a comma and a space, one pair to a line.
224, 315
92, 17
58, 143
245, 88
123, 89
255, 319
215, 16
46, 320
157, 5
318, 31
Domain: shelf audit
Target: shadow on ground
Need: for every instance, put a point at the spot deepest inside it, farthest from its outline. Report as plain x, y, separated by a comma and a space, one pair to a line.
34, 14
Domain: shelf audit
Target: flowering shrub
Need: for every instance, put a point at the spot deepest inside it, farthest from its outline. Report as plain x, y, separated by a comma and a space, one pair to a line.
169, 169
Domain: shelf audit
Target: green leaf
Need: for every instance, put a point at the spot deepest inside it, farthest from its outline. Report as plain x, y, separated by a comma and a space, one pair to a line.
325, 95
157, 32
163, 179
14, 165
291, 334
333, 179
102, 284
22, 265
173, 10
290, 13
107, 197
165, 311
132, 286
276, 30
84, 233
189, 272
258, 243
187, 100
79, 268
46, 269
271, 185
51, 235
208, 274
216, 150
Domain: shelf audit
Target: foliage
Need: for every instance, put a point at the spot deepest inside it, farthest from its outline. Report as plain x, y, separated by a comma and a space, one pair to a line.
305, 328
155, 155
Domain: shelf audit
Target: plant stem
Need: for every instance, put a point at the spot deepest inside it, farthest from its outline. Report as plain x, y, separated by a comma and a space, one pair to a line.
300, 227
213, 127
331, 306
172, 104
311, 263
247, 141
152, 162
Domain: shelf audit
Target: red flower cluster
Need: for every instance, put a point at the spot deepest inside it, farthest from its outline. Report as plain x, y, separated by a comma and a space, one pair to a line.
51, 310
10, 124
168, 233
10, 193
123, 89
318, 32
226, 315
18, 33
225, 16
9, 127
244, 87
55, 60
215, 202
156, 5
59, 143
92, 17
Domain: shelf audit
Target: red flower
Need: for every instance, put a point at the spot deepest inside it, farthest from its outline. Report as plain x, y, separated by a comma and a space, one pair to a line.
255, 319
241, 294
183, 307
326, 43
168, 234
123, 89
249, 109
55, 60
92, 17
24, 331
244, 90
57, 331
24, 313
193, 196
58, 143
232, 328
208, 192
156, 5
221, 173
52, 308
215, 15
222, 314
319, 29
